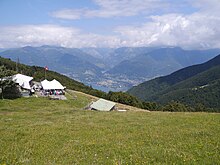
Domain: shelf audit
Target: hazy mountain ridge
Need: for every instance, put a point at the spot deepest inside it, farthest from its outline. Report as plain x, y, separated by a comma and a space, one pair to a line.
112, 68
126, 53
192, 85
72, 62
161, 61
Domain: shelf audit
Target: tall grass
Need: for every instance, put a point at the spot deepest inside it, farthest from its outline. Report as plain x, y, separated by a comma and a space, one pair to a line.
42, 131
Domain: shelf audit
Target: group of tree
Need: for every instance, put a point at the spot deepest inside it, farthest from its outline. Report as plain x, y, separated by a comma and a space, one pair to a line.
8, 89
175, 106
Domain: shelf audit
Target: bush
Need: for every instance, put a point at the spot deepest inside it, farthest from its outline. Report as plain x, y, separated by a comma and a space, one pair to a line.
11, 92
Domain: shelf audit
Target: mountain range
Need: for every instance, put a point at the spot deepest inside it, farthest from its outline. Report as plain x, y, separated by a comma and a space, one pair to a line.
113, 68
72, 62
197, 84
161, 61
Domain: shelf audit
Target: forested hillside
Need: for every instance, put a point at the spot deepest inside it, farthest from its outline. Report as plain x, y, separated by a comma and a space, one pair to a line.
198, 84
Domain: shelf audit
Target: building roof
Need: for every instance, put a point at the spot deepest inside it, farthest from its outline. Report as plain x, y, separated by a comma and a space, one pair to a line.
22, 80
103, 105
54, 84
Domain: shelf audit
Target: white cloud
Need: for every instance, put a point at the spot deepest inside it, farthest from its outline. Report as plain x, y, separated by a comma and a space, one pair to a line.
206, 5
112, 8
198, 30
127, 7
68, 14
36, 35
195, 31
12, 36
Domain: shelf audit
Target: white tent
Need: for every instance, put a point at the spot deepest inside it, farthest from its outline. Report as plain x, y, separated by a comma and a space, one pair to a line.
46, 84
57, 84
54, 84
22, 80
103, 105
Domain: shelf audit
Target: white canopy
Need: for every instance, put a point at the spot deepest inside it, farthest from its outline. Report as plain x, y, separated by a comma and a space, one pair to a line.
54, 84
57, 84
45, 84
22, 80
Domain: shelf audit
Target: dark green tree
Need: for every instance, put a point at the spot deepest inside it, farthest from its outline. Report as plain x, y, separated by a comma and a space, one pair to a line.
7, 86
175, 106
124, 98
150, 106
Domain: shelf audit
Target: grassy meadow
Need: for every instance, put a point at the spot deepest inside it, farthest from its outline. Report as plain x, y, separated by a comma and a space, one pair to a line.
42, 131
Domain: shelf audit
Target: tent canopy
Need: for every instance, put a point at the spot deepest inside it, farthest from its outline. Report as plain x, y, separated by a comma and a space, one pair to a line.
54, 84
22, 80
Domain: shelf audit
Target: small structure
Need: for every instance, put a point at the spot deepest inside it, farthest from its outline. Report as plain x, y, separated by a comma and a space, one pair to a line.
24, 83
103, 105
54, 89
51, 85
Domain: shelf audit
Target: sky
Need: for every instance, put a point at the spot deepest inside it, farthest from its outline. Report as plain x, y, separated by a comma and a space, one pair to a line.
190, 24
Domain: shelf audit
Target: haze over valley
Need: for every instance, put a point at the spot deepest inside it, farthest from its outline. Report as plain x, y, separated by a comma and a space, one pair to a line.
110, 69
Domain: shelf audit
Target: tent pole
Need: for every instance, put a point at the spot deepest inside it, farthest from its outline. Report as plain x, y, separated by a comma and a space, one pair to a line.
45, 73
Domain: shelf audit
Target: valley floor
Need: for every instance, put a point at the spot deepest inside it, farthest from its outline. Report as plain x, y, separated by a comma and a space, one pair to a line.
42, 131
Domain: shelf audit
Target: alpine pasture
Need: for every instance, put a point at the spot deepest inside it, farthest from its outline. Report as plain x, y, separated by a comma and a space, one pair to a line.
43, 131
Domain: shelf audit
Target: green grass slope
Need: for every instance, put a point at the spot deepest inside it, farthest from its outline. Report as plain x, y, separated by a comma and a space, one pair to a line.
42, 131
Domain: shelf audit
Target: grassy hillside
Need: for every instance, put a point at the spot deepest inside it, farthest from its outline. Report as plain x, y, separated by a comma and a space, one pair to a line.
191, 85
42, 131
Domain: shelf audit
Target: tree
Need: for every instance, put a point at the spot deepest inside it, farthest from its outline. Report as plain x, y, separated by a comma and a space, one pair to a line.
200, 107
124, 98
175, 106
150, 105
7, 86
